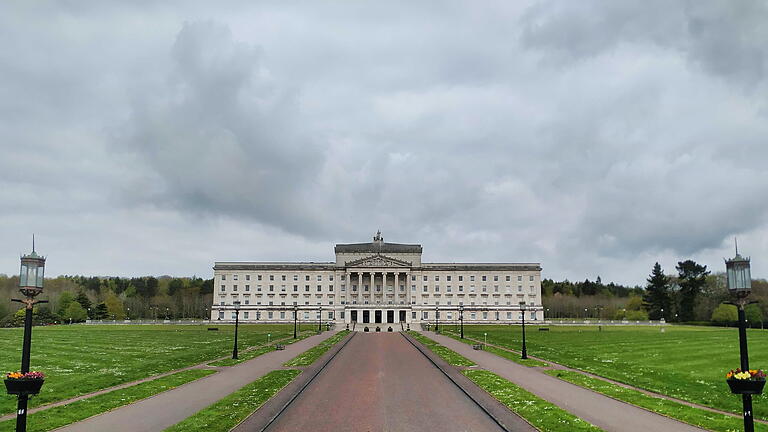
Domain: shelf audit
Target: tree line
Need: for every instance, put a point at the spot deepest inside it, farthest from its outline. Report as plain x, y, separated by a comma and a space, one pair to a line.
694, 294
77, 298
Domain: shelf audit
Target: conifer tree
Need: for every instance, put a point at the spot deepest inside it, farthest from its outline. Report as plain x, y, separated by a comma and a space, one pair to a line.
656, 297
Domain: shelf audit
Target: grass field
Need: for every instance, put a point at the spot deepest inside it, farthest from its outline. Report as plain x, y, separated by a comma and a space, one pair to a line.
684, 362
81, 359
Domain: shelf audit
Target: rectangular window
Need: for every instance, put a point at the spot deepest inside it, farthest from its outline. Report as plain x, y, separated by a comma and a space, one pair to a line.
282, 315
413, 287
425, 288
509, 315
509, 278
234, 287
306, 277
330, 288
258, 277
437, 288
295, 288
413, 315
425, 315
245, 315
271, 288
485, 315
258, 288
330, 277
295, 277
319, 277
306, 288
484, 278
319, 288
234, 277
271, 314
461, 288
221, 315
223, 288
519, 278
271, 277
282, 288
448, 288
425, 278
223, 277
495, 278
247, 301
247, 287
437, 278
448, 278
283, 277
247, 277
530, 278
461, 278
473, 315
472, 278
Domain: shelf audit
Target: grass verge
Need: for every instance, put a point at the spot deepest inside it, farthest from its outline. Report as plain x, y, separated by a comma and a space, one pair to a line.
251, 354
309, 356
56, 417
515, 357
233, 409
695, 416
446, 354
542, 414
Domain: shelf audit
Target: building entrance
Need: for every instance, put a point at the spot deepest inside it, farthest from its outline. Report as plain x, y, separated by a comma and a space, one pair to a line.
390, 316
366, 316
377, 315
353, 316
402, 316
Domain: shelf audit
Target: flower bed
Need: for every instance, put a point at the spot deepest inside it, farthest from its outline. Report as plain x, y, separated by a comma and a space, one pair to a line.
28, 383
746, 382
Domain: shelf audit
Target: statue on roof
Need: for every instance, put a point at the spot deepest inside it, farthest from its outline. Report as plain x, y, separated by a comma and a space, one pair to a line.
378, 237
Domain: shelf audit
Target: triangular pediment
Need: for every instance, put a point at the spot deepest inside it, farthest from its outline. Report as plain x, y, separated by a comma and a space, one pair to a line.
378, 260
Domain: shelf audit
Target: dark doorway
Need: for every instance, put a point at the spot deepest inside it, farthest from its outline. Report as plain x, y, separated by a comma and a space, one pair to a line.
354, 316
377, 316
402, 316
366, 316
390, 316
365, 329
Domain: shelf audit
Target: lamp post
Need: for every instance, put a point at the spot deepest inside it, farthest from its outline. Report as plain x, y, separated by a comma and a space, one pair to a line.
739, 281
31, 279
237, 322
295, 319
461, 319
437, 314
320, 319
523, 307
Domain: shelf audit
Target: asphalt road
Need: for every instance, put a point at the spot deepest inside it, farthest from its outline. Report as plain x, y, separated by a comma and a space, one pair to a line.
380, 382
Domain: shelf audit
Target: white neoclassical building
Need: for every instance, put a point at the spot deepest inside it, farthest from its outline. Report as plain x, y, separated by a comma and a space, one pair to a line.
377, 283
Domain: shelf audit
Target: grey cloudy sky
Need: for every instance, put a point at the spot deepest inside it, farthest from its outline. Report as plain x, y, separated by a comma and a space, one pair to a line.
596, 137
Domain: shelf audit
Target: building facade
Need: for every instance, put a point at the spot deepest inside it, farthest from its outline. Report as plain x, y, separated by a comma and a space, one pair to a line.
377, 283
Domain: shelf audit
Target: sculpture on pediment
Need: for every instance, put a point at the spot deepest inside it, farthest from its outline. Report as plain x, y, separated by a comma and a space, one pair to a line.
378, 260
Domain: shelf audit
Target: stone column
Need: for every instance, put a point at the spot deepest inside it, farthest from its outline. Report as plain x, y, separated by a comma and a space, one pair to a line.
397, 285
359, 282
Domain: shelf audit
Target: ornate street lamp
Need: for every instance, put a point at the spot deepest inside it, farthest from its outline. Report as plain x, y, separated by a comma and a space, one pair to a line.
237, 322
461, 319
320, 319
523, 308
31, 277
739, 281
437, 316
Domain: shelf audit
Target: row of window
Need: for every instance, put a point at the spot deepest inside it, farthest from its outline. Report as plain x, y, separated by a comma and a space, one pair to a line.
354, 302
330, 315
319, 277
390, 288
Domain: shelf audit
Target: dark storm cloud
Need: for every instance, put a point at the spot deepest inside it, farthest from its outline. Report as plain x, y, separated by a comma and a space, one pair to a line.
595, 137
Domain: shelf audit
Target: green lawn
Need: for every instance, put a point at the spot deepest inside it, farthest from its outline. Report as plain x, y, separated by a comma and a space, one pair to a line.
248, 355
540, 413
450, 357
233, 409
685, 362
515, 357
309, 356
57, 417
80, 359
695, 416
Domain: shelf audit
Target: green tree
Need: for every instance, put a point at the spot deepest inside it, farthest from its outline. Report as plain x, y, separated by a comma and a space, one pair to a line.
74, 312
100, 312
656, 298
725, 313
65, 299
83, 300
634, 303
753, 314
115, 308
692, 278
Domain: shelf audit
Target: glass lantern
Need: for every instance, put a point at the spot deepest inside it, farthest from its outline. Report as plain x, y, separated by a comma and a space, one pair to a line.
523, 306
237, 305
32, 274
738, 276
